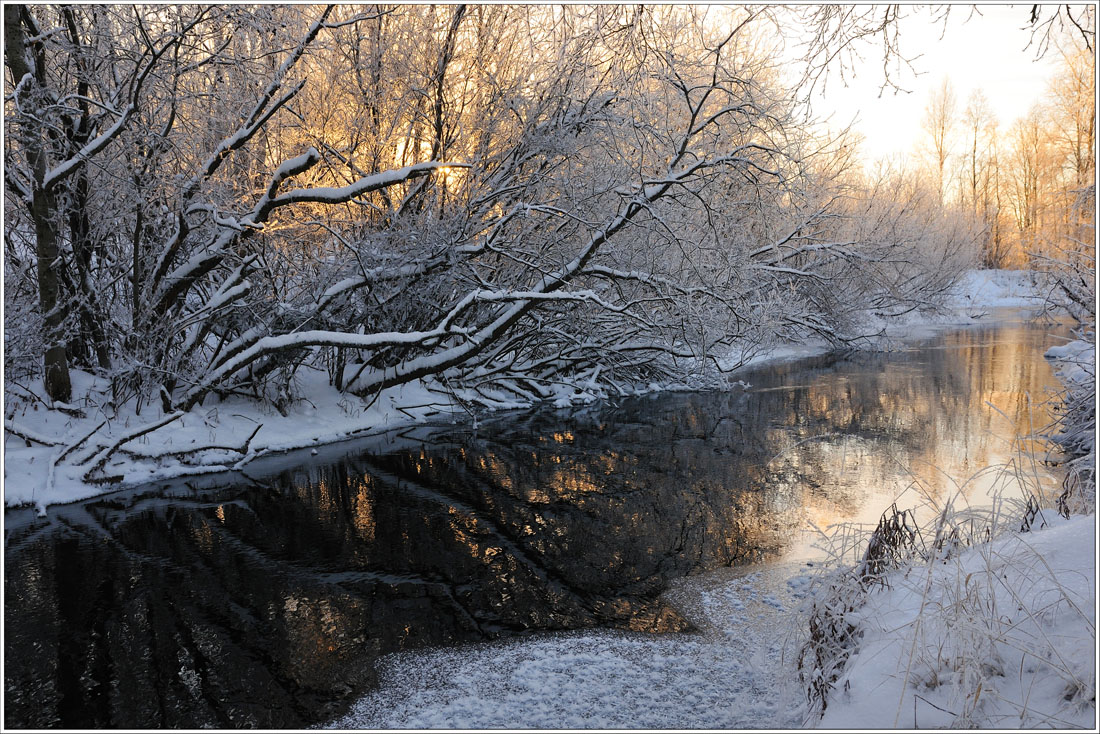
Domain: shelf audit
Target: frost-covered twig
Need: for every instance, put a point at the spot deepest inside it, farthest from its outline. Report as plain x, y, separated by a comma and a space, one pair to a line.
100, 459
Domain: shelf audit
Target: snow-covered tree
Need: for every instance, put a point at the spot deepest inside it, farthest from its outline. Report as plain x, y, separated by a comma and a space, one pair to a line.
207, 199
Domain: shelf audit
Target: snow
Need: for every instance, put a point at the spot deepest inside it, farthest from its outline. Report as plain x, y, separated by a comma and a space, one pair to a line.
293, 165
722, 677
1012, 622
981, 289
1075, 362
930, 627
325, 416
1001, 636
373, 182
341, 286
757, 356
70, 165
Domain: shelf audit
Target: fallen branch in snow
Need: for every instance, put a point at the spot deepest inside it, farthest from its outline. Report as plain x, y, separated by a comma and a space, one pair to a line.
27, 435
69, 410
100, 459
185, 453
77, 444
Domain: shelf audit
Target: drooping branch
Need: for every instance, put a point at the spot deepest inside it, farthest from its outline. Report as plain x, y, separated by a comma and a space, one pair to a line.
178, 282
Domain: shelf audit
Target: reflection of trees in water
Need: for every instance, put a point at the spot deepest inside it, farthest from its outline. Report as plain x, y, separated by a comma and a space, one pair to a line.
264, 605
933, 416
171, 622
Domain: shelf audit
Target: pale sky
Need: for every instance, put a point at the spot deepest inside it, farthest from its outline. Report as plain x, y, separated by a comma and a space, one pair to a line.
986, 52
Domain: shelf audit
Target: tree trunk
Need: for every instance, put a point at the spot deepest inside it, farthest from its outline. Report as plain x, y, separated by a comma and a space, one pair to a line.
55, 359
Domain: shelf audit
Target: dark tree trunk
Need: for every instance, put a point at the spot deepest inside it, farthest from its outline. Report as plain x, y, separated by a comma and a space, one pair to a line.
55, 359
42, 210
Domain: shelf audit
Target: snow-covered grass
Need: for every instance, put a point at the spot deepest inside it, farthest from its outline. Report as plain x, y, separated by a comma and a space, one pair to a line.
1000, 635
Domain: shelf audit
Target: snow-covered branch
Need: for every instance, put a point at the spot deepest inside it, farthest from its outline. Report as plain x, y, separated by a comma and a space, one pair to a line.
365, 185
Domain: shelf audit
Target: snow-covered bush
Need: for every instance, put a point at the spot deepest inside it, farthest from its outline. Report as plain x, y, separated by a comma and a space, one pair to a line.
1070, 277
1075, 430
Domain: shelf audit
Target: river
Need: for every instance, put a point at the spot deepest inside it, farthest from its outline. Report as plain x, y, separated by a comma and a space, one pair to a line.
269, 601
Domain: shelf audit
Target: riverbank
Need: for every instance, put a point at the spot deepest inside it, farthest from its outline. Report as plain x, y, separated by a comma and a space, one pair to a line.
1000, 635
77, 451
542, 513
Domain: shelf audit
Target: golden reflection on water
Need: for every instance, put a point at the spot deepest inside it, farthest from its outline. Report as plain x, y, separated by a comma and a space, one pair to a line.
203, 535
846, 446
364, 508
318, 633
975, 434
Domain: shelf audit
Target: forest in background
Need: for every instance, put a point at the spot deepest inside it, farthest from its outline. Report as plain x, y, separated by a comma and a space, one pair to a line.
211, 199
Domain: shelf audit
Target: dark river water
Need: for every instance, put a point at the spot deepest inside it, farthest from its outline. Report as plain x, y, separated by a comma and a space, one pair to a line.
266, 603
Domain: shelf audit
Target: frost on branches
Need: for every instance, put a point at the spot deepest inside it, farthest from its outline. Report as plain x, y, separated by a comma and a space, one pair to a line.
207, 202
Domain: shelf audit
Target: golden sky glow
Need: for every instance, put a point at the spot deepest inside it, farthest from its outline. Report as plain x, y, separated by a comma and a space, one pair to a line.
987, 52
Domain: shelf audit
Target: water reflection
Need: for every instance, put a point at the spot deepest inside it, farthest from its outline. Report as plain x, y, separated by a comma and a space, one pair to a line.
265, 604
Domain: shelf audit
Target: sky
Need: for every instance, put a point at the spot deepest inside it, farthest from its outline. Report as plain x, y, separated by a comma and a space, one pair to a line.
987, 52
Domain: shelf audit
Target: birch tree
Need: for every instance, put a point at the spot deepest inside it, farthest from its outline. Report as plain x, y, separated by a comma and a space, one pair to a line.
939, 122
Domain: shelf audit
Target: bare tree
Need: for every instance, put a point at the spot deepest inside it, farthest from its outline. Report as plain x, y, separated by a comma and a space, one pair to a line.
940, 116
1048, 22
60, 129
980, 175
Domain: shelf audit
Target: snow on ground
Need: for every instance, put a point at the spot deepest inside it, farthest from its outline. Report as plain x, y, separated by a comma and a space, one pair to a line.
979, 290
324, 416
1075, 362
732, 674
1001, 636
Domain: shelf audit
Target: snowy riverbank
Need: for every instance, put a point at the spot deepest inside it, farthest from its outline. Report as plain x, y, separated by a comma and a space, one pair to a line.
1001, 635
57, 456
1009, 621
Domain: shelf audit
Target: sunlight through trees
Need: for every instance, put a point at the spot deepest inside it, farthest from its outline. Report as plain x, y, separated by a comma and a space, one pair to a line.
210, 199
